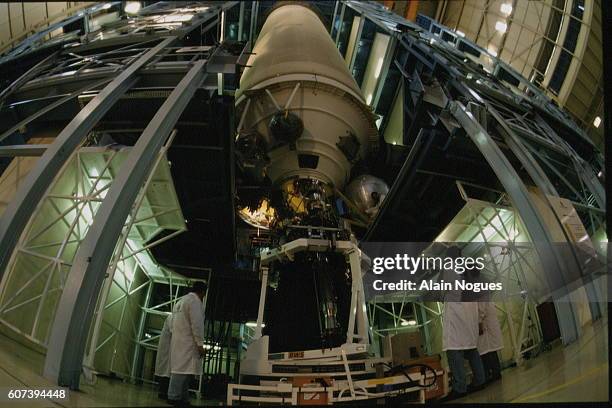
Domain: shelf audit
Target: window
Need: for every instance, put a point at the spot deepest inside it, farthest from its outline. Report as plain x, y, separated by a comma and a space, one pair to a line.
569, 45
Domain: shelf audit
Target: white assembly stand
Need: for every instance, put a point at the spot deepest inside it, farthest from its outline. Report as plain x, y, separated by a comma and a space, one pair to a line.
339, 364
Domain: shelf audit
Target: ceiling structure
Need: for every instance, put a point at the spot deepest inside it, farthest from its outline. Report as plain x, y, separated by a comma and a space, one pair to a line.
557, 44
469, 122
554, 43
20, 20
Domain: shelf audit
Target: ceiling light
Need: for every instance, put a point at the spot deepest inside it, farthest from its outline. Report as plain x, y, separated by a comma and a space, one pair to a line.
460, 33
506, 8
410, 322
597, 122
106, 6
501, 26
132, 7
254, 324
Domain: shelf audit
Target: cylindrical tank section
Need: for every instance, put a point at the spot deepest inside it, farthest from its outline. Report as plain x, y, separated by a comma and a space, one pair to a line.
298, 101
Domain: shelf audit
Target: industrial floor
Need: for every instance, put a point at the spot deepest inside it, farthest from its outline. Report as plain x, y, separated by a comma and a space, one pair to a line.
20, 368
578, 372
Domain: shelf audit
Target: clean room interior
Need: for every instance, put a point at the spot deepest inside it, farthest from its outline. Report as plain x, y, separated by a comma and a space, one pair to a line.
266, 151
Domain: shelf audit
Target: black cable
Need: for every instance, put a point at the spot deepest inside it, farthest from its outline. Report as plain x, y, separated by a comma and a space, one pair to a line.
403, 368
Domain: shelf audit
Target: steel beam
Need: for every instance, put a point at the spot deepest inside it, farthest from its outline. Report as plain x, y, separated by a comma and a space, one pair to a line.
341, 23
51, 107
21, 208
333, 20
69, 333
23, 150
29, 74
584, 169
362, 20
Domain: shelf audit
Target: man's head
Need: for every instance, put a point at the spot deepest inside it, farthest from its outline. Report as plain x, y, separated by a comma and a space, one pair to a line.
199, 288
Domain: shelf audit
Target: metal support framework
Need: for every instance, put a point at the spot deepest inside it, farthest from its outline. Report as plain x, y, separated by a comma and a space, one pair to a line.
333, 20
67, 342
496, 232
21, 208
524, 124
122, 273
23, 150
549, 256
50, 107
353, 58
45, 250
341, 24
32, 72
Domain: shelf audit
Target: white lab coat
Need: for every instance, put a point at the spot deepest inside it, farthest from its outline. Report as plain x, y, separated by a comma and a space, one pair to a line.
460, 325
187, 335
162, 360
491, 338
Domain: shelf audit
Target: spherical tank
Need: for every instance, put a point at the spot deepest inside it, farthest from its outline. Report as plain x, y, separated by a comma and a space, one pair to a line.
298, 96
367, 192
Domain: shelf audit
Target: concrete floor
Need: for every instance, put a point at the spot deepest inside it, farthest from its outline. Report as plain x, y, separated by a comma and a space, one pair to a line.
578, 372
20, 368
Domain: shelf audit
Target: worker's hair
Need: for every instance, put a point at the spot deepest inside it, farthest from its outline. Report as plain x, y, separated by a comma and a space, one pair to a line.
198, 286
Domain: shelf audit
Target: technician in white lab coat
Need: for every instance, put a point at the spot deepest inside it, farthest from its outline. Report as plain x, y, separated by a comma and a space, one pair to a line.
187, 344
490, 341
162, 360
459, 340
460, 327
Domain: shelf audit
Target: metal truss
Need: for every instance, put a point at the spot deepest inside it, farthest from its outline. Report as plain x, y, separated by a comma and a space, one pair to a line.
39, 179
45, 251
495, 232
147, 341
43, 37
508, 119
501, 238
40, 267
64, 359
56, 232
131, 271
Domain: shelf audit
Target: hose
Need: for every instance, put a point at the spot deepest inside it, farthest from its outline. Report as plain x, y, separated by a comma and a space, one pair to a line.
403, 368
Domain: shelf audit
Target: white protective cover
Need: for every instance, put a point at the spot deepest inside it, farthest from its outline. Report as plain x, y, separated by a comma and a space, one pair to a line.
187, 335
491, 338
460, 325
162, 360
